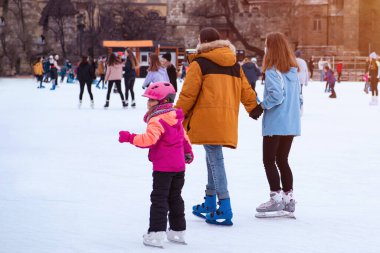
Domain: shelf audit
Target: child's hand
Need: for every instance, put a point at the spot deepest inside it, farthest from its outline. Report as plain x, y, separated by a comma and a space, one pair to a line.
125, 136
189, 157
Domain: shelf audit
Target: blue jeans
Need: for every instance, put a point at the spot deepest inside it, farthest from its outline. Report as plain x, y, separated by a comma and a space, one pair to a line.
217, 179
322, 72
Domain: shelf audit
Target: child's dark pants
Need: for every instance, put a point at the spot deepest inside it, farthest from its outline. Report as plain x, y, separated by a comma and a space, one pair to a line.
166, 197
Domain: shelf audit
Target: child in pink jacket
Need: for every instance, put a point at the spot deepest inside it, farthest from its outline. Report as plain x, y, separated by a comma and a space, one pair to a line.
169, 150
367, 83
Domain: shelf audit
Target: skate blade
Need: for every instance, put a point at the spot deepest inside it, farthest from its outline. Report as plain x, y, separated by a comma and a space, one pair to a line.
177, 242
222, 222
278, 214
200, 215
153, 246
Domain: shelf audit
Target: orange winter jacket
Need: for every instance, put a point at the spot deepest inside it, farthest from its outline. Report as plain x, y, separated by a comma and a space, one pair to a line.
215, 85
101, 68
38, 69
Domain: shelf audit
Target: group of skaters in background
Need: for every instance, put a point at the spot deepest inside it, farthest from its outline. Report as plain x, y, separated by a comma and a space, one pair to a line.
47, 70
113, 69
371, 75
110, 70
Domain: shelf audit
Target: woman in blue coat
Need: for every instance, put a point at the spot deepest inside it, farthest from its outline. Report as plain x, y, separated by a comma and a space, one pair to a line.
282, 120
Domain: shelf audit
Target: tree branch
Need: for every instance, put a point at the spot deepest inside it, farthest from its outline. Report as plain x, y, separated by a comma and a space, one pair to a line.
231, 24
209, 16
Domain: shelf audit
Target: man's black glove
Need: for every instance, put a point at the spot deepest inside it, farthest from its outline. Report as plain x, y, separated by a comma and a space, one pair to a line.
256, 113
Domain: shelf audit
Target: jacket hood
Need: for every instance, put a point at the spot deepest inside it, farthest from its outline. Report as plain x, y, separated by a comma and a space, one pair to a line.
221, 52
292, 75
172, 117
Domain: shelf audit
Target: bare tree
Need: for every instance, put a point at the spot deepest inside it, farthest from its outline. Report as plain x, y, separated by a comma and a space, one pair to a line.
3, 52
22, 31
223, 9
126, 21
8, 51
58, 11
10, 48
91, 33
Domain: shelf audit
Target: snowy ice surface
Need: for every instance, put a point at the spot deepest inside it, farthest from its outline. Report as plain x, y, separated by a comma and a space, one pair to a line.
68, 186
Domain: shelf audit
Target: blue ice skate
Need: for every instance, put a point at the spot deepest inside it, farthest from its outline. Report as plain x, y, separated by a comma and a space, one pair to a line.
222, 216
207, 207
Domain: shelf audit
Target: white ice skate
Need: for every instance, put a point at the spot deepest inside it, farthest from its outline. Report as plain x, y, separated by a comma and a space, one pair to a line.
154, 239
92, 104
374, 101
274, 208
80, 104
176, 236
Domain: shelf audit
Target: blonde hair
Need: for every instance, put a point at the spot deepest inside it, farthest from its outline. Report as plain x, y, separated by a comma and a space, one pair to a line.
279, 53
132, 58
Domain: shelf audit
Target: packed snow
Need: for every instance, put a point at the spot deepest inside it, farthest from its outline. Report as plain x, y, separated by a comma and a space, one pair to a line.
68, 186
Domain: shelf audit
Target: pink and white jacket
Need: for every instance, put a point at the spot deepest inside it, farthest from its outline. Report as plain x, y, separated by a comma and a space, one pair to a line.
114, 72
167, 141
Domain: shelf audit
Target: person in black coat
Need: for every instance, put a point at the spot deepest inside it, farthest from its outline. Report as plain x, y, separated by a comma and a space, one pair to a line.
374, 73
171, 69
310, 65
53, 72
251, 71
131, 64
85, 75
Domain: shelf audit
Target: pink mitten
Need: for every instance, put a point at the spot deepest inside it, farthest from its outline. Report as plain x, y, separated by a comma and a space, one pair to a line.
125, 136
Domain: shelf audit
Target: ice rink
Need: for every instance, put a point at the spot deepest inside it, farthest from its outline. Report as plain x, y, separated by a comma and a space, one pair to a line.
68, 186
